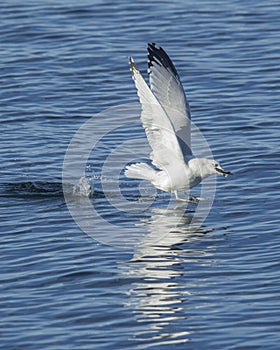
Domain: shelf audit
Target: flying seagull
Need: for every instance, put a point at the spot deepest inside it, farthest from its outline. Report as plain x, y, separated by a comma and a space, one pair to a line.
166, 119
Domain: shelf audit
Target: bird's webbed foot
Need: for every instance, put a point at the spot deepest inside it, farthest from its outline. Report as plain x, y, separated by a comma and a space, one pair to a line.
194, 199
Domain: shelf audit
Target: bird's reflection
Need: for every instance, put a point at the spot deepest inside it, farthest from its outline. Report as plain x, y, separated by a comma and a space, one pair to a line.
160, 295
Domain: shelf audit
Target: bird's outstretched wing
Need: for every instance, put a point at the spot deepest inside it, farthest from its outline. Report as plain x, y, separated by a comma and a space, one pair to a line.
159, 130
167, 88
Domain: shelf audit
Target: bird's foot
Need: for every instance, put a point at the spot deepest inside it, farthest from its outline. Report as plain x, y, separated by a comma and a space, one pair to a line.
196, 199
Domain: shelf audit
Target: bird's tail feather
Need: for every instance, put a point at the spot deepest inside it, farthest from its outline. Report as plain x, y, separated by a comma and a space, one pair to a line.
140, 171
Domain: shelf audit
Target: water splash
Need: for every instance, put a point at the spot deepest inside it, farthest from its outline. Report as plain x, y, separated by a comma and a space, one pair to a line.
84, 187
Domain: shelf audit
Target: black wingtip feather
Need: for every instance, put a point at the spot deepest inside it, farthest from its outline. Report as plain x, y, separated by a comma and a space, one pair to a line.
156, 55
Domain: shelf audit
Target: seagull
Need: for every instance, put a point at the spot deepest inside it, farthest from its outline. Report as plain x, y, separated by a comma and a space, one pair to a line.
166, 118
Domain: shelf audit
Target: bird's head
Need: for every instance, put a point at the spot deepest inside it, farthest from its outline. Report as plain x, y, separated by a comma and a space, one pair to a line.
217, 169
206, 167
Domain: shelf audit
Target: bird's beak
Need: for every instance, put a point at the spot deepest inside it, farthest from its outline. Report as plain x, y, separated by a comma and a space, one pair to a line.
222, 171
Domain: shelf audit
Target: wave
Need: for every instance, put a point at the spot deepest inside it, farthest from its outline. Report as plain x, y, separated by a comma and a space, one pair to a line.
31, 188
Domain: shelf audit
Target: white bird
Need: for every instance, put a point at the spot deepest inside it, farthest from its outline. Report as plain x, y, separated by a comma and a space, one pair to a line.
166, 119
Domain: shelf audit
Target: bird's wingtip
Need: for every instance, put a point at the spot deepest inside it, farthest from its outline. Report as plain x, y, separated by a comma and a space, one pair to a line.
133, 67
152, 45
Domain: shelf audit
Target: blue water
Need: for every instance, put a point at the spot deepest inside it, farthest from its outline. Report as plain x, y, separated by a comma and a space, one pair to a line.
214, 287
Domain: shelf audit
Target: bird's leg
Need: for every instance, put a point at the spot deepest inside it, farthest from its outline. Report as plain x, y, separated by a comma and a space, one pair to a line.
180, 199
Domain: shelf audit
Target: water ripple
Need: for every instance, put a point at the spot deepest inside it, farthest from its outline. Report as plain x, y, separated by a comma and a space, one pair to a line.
62, 63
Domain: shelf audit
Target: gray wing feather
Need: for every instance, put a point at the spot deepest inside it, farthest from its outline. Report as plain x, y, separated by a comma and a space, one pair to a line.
167, 88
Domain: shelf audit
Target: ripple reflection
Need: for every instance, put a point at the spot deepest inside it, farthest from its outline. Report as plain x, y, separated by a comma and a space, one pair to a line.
160, 296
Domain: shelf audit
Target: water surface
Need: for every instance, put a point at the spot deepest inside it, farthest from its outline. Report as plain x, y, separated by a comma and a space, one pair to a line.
62, 63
